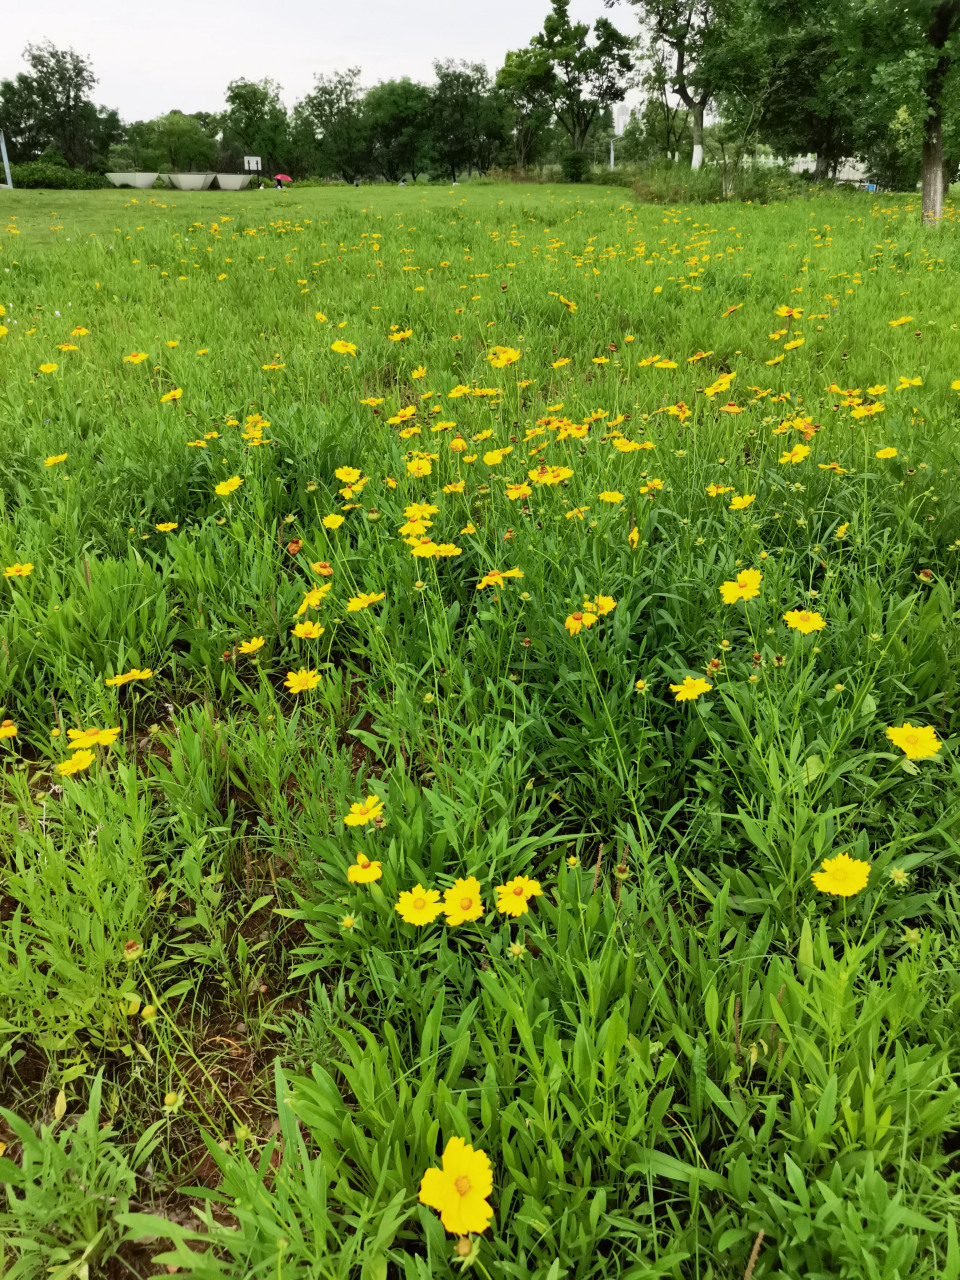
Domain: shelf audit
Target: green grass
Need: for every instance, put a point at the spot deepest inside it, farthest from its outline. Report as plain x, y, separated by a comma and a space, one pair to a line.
683, 1043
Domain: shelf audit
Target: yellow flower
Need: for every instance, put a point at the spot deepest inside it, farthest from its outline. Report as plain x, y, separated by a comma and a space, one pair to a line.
302, 680
796, 454
917, 742
79, 761
610, 495
746, 586
133, 674
226, 487
520, 490
500, 357
363, 601
842, 530
364, 871
804, 622
462, 902
886, 453
419, 467
308, 631
251, 645
84, 739
690, 689
54, 459
514, 896
456, 486
173, 342
842, 875
48, 368
739, 503
903, 320
400, 334
419, 371
8, 729
578, 620
167, 526
18, 570
558, 364
418, 905
135, 357
332, 521
175, 394
343, 348
458, 1191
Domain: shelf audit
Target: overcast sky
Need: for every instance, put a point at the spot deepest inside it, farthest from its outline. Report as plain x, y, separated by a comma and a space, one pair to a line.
180, 54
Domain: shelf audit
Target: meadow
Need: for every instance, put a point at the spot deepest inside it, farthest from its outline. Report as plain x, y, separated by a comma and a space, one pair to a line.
478, 688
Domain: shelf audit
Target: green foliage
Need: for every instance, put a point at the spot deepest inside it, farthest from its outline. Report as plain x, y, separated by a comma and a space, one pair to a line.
42, 174
683, 1055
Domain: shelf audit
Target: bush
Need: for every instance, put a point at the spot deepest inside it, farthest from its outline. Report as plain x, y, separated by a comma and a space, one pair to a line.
54, 177
575, 167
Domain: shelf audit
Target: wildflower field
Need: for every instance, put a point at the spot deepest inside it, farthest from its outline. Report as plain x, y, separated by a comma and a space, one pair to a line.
477, 681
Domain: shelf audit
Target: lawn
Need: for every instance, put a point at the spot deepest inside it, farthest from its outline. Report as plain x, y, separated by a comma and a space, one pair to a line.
478, 667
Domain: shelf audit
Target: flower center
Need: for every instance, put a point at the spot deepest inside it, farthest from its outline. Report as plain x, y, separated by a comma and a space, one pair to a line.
578, 617
912, 739
462, 1184
419, 903
518, 892
465, 905
364, 862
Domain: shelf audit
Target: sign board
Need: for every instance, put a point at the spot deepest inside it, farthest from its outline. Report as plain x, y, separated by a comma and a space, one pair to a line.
251, 164
621, 118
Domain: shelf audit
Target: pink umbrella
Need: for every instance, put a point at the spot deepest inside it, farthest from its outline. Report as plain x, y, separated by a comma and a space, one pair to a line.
282, 177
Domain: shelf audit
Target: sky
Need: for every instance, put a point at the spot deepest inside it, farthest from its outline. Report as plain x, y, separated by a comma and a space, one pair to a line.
179, 54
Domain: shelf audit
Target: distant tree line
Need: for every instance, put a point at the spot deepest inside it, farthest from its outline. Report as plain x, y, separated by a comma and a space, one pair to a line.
721, 80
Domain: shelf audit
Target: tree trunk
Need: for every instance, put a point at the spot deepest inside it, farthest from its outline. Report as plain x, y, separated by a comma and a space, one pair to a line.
931, 186
696, 120
821, 168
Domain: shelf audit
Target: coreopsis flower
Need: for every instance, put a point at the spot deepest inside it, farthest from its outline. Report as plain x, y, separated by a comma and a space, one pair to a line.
332, 521
886, 453
301, 681
419, 467
135, 357
349, 475
313, 598
18, 570
364, 600
742, 501
917, 742
558, 364
458, 1191
610, 495
500, 357
549, 475
363, 871
803, 621
85, 739
344, 348
842, 875
322, 567
372, 401
54, 459
601, 605
400, 335
49, 368
462, 902
419, 906
226, 487
690, 690
497, 577
134, 673
251, 646
419, 372
633, 538
514, 896
746, 586
78, 762
364, 811
456, 486
496, 456
308, 631
580, 619
716, 490
796, 454
175, 394
8, 729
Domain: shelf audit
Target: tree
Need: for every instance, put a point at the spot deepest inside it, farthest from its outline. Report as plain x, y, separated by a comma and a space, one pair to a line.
255, 123
61, 82
467, 122
677, 30
332, 112
578, 78
524, 79
23, 131
175, 141
396, 119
